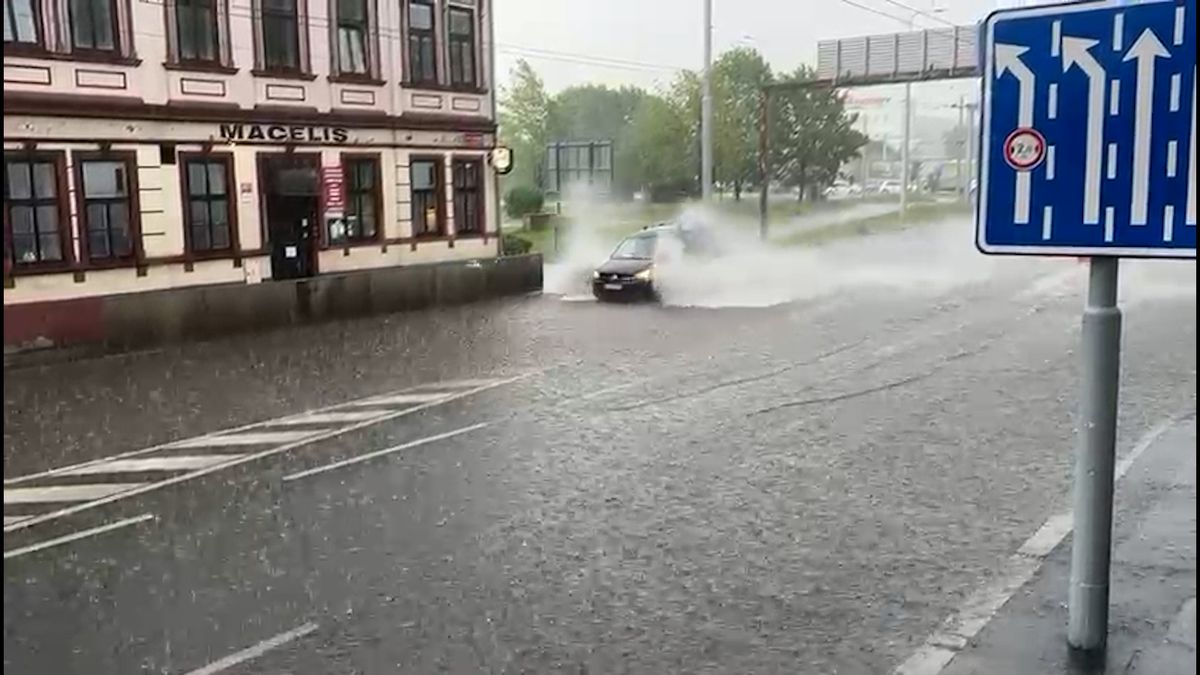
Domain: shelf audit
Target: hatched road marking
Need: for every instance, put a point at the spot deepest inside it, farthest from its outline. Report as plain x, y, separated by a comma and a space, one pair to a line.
84, 497
259, 438
65, 493
327, 418
169, 463
400, 399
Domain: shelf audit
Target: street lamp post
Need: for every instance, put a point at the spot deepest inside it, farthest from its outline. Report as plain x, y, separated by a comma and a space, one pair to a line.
706, 110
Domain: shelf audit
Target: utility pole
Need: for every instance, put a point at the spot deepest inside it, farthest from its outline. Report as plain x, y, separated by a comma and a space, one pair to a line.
962, 182
706, 110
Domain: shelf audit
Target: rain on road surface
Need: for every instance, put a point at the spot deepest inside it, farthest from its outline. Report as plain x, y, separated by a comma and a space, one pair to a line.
542, 486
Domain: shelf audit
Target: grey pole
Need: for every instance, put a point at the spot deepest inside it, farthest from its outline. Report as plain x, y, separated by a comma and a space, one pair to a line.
905, 162
1095, 457
706, 110
962, 183
970, 146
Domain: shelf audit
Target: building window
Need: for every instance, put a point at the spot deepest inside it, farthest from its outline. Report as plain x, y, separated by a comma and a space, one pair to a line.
281, 35
93, 25
461, 42
33, 211
422, 50
21, 25
353, 44
468, 196
208, 217
363, 197
426, 197
108, 218
196, 25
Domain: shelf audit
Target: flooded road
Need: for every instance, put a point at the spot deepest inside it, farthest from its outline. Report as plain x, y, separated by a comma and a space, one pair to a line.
810, 484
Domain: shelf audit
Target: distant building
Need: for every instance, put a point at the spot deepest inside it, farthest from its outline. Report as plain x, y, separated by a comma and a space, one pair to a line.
166, 144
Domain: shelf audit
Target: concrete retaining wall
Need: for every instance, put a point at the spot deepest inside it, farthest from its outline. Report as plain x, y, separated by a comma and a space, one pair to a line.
156, 317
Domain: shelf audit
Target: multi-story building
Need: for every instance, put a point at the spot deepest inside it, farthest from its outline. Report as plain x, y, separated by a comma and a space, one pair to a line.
166, 144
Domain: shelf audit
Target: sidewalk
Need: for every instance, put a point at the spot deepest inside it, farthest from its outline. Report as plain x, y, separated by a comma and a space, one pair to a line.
1152, 620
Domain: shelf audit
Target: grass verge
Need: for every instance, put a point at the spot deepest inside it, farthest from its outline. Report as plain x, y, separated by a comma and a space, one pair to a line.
918, 215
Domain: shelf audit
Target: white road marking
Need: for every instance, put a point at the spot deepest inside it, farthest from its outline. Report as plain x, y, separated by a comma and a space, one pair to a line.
1112, 161
76, 536
381, 453
244, 438
13, 519
465, 382
254, 651
1114, 98
979, 608
243, 459
1118, 31
1168, 222
165, 463
1055, 38
1047, 222
1176, 91
1180, 22
1052, 111
65, 493
1110, 217
16, 480
1172, 158
1051, 162
337, 417
400, 399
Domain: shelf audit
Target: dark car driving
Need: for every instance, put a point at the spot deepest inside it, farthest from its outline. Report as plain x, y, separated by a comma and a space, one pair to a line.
628, 274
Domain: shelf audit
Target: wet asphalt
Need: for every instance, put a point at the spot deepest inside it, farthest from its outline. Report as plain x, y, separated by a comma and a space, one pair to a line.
805, 488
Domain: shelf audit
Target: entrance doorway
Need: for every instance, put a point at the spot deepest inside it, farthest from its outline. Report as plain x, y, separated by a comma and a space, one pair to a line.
289, 184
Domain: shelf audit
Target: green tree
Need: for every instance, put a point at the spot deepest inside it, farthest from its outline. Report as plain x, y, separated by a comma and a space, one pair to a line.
524, 120
812, 135
656, 155
738, 78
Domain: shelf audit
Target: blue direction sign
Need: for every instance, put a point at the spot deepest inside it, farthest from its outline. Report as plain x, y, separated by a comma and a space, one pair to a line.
1089, 130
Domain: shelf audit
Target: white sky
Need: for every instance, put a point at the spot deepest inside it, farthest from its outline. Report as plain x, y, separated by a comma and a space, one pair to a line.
560, 37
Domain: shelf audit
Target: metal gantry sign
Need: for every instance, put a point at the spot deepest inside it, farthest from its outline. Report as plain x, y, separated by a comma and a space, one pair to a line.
1089, 130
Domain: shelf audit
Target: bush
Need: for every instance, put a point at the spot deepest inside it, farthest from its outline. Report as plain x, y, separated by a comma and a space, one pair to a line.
514, 245
522, 200
669, 192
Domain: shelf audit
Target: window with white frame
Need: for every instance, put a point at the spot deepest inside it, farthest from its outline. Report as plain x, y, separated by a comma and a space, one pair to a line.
461, 36
355, 38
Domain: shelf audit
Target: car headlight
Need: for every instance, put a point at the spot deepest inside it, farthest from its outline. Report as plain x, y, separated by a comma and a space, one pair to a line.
596, 274
645, 275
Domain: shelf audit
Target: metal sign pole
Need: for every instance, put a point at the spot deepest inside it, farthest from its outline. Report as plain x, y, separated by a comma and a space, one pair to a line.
1095, 459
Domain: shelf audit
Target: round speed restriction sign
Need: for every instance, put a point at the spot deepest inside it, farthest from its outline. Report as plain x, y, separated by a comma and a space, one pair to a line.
1024, 149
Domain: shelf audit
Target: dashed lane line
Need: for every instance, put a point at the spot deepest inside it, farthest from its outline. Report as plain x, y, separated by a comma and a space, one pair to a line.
76, 536
380, 453
254, 651
132, 490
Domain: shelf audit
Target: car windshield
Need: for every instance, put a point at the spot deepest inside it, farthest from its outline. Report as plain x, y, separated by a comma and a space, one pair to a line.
636, 248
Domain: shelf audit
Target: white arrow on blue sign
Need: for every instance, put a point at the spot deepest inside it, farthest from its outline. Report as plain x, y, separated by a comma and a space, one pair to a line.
1089, 130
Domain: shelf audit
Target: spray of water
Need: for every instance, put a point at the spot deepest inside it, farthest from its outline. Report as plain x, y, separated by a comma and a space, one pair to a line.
931, 259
